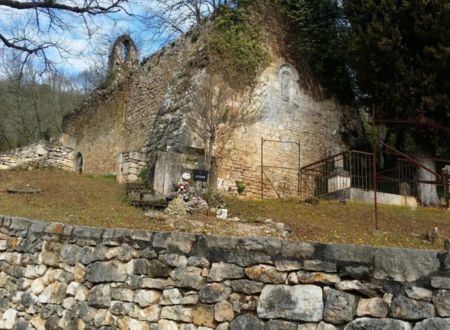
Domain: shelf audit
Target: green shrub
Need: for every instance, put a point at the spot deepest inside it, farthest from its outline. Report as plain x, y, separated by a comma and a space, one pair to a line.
240, 187
143, 174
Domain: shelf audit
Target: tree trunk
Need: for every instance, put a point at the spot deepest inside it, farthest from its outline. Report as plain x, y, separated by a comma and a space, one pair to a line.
208, 161
427, 193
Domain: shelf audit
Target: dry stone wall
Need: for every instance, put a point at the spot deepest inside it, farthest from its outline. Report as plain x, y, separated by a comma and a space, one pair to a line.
55, 276
39, 154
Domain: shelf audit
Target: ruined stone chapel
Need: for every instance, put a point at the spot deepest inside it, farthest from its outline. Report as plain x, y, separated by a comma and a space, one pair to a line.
140, 115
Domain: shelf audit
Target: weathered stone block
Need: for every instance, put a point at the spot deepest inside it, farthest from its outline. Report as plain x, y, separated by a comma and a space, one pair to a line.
300, 302
245, 322
100, 296
244, 259
171, 297
140, 266
266, 274
349, 253
173, 260
214, 292
365, 288
419, 293
355, 272
326, 326
110, 271
297, 250
247, 287
307, 326
317, 277
89, 233
262, 244
181, 242
223, 271
404, 265
203, 315
103, 318
167, 325
410, 309
188, 277
382, 324
373, 307
53, 294
440, 282
145, 298
196, 261
340, 307
280, 325
288, 265
223, 311
177, 313
441, 300
157, 269
122, 294
71, 254
8, 319
155, 283
433, 324
319, 265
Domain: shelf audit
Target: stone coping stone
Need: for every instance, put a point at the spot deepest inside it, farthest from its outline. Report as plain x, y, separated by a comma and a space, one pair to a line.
397, 264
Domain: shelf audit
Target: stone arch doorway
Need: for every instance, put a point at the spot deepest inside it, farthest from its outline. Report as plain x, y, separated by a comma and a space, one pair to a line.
78, 163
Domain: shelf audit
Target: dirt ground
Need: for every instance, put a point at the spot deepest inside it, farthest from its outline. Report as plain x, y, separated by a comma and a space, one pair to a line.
101, 202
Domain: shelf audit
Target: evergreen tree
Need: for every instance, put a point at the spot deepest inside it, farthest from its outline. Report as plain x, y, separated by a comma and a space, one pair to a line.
400, 53
320, 35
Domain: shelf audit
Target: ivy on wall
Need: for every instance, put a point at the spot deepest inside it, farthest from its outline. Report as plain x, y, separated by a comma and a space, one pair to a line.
235, 45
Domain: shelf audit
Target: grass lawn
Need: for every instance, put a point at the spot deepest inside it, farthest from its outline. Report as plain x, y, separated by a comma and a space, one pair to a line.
101, 202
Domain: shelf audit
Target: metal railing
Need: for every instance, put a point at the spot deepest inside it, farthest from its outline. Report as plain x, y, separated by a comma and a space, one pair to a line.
348, 169
353, 169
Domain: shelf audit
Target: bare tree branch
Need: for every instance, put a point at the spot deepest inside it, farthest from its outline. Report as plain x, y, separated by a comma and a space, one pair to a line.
40, 30
171, 18
88, 7
216, 111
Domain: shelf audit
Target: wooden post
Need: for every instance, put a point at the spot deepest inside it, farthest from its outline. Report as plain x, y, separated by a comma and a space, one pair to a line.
299, 169
262, 168
374, 168
445, 178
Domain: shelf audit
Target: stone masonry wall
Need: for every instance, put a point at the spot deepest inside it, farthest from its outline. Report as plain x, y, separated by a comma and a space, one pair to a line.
119, 118
131, 164
55, 276
39, 154
290, 116
147, 111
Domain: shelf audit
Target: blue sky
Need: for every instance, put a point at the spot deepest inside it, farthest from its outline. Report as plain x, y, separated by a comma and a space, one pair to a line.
82, 49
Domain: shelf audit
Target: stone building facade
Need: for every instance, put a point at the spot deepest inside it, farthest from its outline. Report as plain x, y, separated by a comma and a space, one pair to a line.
145, 112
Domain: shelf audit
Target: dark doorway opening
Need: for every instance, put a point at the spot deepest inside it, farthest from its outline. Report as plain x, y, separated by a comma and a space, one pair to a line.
79, 163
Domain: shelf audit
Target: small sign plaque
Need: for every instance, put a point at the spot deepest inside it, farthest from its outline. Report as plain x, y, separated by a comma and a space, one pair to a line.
200, 175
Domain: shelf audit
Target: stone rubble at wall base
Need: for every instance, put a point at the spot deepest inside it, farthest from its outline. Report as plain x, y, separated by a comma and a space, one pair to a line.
56, 276
39, 154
